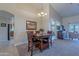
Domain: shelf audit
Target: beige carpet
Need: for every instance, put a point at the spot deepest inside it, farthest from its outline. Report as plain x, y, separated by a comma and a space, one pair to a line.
6, 49
59, 48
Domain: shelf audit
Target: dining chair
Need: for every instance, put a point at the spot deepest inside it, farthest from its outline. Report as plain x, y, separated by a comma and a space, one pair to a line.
33, 43
30, 43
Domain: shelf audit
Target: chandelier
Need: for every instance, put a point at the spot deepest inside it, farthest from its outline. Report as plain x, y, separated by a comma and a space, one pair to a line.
42, 13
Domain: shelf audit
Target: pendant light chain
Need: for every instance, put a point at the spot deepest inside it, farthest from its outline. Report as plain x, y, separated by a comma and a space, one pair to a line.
42, 13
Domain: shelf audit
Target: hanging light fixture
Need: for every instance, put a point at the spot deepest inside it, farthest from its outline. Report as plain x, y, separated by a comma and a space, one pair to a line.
42, 13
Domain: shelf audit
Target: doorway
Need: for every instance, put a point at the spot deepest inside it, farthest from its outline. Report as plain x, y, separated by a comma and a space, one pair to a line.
6, 21
3, 32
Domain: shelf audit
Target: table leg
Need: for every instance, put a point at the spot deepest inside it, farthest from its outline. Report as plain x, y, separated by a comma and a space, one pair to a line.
41, 47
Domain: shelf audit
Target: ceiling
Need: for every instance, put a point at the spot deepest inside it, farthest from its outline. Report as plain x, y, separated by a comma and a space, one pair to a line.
5, 14
66, 9
34, 7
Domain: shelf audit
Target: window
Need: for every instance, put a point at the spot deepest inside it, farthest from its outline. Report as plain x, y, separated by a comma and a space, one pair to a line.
52, 25
74, 27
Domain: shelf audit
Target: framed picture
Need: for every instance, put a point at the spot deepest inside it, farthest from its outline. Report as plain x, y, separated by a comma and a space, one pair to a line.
31, 25
3, 24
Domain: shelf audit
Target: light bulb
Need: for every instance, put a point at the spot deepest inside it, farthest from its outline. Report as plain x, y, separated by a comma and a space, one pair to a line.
39, 14
45, 13
42, 12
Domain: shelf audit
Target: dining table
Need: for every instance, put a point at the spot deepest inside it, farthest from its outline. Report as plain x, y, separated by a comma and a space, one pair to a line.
42, 38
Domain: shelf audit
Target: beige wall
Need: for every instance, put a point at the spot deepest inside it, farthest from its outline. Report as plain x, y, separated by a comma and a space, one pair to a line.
21, 13
45, 19
54, 17
20, 22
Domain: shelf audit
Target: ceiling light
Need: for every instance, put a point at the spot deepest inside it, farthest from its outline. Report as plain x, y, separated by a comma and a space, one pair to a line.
45, 13
42, 14
39, 14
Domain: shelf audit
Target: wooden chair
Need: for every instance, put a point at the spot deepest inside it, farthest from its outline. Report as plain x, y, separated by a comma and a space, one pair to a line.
45, 42
30, 46
32, 43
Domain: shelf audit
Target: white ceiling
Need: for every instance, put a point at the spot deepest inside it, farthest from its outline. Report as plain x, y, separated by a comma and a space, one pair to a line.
32, 9
66, 9
29, 9
5, 14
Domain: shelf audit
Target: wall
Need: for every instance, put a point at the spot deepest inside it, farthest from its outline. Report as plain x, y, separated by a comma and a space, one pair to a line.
22, 15
20, 29
3, 30
42, 23
72, 19
21, 12
45, 19
54, 17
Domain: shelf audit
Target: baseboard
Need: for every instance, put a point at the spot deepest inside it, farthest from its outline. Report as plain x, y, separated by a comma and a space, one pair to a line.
17, 44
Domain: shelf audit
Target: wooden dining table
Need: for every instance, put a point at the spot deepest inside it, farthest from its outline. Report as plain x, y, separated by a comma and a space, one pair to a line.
42, 39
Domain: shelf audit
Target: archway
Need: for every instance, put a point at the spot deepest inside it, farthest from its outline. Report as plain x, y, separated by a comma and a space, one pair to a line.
6, 26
